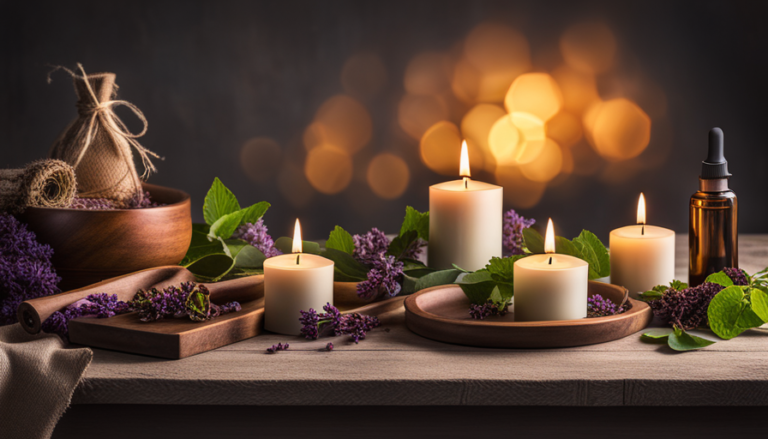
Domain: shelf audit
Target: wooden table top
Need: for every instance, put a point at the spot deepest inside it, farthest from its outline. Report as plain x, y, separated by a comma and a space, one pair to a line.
396, 367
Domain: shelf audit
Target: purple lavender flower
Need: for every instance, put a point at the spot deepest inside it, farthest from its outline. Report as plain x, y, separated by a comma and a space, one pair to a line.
371, 246
329, 347
597, 306
189, 299
310, 322
383, 278
414, 250
26, 271
99, 305
687, 308
737, 275
256, 235
513, 231
488, 309
277, 347
355, 325
92, 204
141, 201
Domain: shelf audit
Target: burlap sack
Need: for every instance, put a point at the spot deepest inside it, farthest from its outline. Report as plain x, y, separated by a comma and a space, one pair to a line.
44, 183
98, 144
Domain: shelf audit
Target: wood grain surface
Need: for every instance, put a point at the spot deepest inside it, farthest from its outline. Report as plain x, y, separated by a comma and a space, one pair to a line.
394, 366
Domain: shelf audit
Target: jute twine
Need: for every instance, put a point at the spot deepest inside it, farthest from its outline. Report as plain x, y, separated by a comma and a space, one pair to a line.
98, 144
44, 183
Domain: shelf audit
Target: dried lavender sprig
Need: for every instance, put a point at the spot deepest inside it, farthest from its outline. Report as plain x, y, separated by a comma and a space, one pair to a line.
355, 325
513, 231
488, 309
383, 278
598, 306
277, 347
329, 347
371, 246
256, 235
99, 305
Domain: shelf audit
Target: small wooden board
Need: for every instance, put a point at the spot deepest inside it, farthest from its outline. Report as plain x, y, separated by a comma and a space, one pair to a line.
442, 313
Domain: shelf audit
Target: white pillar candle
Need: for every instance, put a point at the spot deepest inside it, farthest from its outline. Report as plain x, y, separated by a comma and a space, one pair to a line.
550, 286
465, 221
293, 283
642, 256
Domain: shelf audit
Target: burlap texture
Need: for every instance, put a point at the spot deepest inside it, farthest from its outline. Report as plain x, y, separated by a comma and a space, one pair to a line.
37, 379
44, 183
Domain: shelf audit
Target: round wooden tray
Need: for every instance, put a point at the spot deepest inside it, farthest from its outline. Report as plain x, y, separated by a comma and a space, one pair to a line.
442, 313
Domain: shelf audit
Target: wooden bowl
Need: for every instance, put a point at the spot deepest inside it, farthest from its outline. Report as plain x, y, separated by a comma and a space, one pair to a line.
92, 245
442, 314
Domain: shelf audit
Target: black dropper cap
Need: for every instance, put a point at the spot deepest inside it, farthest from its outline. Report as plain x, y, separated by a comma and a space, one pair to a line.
715, 166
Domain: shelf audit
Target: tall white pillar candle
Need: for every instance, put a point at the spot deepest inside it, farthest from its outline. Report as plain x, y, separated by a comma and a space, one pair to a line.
293, 283
465, 222
550, 286
642, 256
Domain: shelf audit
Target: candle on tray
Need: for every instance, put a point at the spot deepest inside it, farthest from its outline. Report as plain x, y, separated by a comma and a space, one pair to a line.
550, 286
465, 221
642, 256
292, 283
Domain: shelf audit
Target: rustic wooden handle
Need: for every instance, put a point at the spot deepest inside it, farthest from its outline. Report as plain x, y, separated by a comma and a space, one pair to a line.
241, 290
32, 313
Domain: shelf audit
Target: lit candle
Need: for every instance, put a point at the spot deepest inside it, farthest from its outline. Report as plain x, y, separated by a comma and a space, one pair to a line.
550, 286
293, 283
465, 221
642, 256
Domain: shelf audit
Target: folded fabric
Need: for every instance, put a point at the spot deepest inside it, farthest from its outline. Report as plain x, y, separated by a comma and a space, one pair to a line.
37, 379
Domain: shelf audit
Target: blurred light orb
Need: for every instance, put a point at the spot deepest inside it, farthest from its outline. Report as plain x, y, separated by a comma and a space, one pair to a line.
315, 134
428, 73
534, 93
293, 185
495, 48
565, 129
547, 165
503, 139
476, 129
364, 75
260, 158
328, 169
519, 191
579, 89
589, 47
416, 114
441, 148
347, 124
388, 176
620, 130
533, 134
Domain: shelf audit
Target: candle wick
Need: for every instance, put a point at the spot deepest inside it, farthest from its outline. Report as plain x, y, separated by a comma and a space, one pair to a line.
466, 182
642, 231
550, 260
298, 258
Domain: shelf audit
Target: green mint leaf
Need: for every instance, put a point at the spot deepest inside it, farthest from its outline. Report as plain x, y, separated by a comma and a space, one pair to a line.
200, 245
506, 291
341, 240
680, 340
657, 334
442, 277
678, 285
254, 213
730, 313
655, 293
594, 252
285, 245
409, 285
565, 247
460, 269
345, 267
415, 269
719, 278
533, 240
760, 303
249, 257
400, 244
477, 286
225, 226
211, 268
415, 220
503, 269
219, 201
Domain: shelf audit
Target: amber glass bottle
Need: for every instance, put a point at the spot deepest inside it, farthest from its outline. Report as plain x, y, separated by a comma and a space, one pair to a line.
713, 227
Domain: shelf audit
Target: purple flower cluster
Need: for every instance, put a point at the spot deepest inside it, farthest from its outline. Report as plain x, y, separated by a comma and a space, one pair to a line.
329, 347
686, 308
99, 305
489, 308
414, 250
383, 278
355, 325
371, 246
737, 275
256, 235
142, 201
277, 347
189, 299
598, 306
513, 231
26, 271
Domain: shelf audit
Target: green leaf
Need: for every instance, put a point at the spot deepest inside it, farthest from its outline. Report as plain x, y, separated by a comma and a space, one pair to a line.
477, 286
760, 303
503, 269
225, 226
409, 285
200, 245
656, 335
415, 220
594, 252
442, 277
249, 257
680, 340
533, 240
219, 201
415, 269
730, 313
566, 247
212, 267
254, 213
346, 268
460, 269
340, 239
506, 291
400, 244
656, 293
678, 285
285, 245
719, 278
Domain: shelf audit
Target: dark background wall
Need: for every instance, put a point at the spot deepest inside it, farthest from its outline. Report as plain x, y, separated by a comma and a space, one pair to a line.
209, 76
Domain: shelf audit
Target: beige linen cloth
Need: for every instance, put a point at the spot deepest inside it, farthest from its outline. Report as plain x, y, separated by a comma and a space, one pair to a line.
37, 379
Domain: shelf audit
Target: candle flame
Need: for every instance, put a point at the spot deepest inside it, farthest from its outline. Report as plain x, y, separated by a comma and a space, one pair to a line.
549, 240
297, 238
464, 163
641, 210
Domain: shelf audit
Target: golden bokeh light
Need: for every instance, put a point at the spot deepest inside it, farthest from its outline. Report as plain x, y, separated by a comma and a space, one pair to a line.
293, 185
533, 136
328, 169
344, 122
565, 129
579, 88
547, 165
476, 128
315, 134
495, 48
428, 73
534, 93
417, 113
388, 176
519, 191
503, 140
260, 158
619, 129
364, 75
589, 47
440, 149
